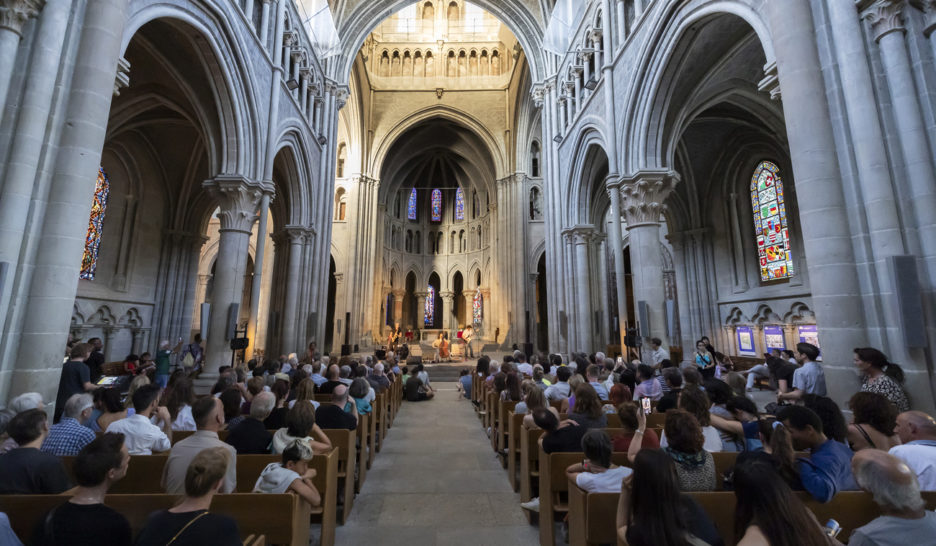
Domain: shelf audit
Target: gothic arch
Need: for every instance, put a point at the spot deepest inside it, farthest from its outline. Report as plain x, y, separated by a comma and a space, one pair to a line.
586, 194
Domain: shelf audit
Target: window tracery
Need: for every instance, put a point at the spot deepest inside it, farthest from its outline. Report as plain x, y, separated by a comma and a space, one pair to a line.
770, 223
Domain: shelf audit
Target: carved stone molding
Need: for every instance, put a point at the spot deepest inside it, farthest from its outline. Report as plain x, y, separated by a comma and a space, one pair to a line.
341, 96
885, 16
771, 82
582, 234
538, 92
644, 195
929, 10
123, 75
238, 198
15, 13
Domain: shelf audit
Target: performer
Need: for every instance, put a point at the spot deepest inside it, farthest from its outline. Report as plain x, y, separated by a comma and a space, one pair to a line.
437, 345
467, 335
445, 347
394, 337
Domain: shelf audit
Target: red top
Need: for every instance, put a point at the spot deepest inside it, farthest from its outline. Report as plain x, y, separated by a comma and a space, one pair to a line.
650, 441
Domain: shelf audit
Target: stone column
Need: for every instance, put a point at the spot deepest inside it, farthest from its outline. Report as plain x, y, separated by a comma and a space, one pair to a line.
421, 310
398, 296
54, 276
257, 280
448, 300
137, 340
644, 195
238, 198
739, 262
265, 24
581, 239
826, 234
617, 250
248, 12
13, 15
109, 334
291, 304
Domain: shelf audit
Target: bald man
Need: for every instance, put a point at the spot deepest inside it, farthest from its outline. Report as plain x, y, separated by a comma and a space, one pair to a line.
917, 432
904, 519
340, 414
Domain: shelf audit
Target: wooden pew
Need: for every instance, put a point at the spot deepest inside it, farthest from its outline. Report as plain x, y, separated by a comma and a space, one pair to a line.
529, 465
514, 428
499, 440
284, 519
591, 516
344, 440
371, 437
362, 431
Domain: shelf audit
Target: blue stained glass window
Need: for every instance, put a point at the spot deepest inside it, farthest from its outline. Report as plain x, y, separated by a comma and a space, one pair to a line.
459, 204
95, 226
436, 205
411, 205
774, 254
477, 307
430, 306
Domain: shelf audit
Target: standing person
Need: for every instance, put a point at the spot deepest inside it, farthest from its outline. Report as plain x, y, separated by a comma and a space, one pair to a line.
85, 520
705, 360
189, 523
880, 376
75, 378
163, 361
657, 353
193, 355
917, 431
809, 378
467, 337
95, 360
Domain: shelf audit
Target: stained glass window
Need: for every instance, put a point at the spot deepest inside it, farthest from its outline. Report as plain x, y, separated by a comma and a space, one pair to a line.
95, 226
770, 223
477, 307
430, 306
459, 204
411, 205
436, 205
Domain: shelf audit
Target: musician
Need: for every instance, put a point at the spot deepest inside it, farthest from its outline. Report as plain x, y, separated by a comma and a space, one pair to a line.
441, 345
395, 335
467, 335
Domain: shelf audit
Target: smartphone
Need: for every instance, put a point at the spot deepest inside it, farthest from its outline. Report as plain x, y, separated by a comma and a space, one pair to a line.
645, 402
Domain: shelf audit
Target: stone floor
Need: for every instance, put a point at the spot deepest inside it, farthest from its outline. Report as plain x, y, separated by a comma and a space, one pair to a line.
437, 481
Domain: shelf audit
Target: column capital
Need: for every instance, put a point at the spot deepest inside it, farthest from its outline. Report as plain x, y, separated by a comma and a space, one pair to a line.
644, 194
238, 197
15, 13
612, 183
339, 278
398, 294
550, 83
582, 234
885, 16
341, 96
421, 295
296, 234
538, 93
596, 34
447, 295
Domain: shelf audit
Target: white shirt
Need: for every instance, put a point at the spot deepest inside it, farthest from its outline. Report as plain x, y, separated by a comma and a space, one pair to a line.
608, 481
713, 443
275, 479
920, 456
314, 404
184, 420
526, 368
557, 391
141, 436
659, 355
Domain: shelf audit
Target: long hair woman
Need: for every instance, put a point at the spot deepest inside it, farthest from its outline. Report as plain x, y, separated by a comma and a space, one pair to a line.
653, 511
881, 376
587, 409
768, 513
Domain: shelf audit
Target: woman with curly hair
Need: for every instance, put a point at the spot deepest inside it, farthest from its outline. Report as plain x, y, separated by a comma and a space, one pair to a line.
873, 423
694, 465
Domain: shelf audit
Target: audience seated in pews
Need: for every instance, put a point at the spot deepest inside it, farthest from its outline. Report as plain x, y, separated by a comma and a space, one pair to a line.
565, 436
340, 414
189, 523
596, 474
653, 511
719, 394
739, 420
231, 401
560, 390
208, 413
85, 520
631, 416
69, 436
23, 402
142, 436
304, 391
300, 425
358, 392
292, 474
776, 451
539, 377
110, 407
673, 379
137, 382
178, 399
587, 408
828, 468
464, 383
334, 376
874, 420
694, 400
618, 393
904, 519
768, 513
809, 377
277, 418
27, 470
379, 379
251, 437
695, 466
917, 432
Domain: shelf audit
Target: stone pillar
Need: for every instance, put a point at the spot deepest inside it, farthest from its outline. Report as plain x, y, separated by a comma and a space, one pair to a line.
739, 262
248, 12
644, 195
581, 239
398, 296
109, 333
54, 276
137, 340
238, 198
448, 301
13, 15
421, 310
265, 24
827, 238
291, 304
617, 250
257, 280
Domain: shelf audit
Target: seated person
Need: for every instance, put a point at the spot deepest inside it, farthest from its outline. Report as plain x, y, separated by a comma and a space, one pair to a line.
293, 474
648, 386
334, 375
828, 468
630, 425
587, 409
415, 391
874, 420
142, 437
560, 389
559, 437
335, 415
25, 470
251, 437
208, 413
596, 474
673, 379
68, 436
358, 392
84, 519
894, 486
695, 466
464, 383
300, 425
189, 522
917, 431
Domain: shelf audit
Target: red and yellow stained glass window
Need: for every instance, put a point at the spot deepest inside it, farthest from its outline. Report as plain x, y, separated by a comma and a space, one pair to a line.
774, 254
95, 226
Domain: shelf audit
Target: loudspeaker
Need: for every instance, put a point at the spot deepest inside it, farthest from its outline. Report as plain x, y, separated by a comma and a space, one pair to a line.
356, 349
205, 318
643, 315
906, 285
239, 343
380, 354
231, 330
345, 350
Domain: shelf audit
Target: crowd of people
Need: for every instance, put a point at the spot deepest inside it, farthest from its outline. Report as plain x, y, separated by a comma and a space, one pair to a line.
266, 408
801, 442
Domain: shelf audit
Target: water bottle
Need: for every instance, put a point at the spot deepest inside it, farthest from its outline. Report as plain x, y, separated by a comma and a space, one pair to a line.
832, 528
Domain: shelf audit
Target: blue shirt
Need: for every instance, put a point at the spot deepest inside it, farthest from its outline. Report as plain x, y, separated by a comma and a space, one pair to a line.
465, 381
810, 379
317, 379
600, 389
827, 471
67, 437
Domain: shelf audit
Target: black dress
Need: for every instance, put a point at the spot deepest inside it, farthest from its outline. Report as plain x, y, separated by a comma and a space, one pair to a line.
213, 529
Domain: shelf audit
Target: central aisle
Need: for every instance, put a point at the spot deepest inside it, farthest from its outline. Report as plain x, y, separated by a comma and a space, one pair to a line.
437, 481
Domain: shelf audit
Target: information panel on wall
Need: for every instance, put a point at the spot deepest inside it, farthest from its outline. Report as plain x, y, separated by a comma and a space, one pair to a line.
809, 333
745, 341
773, 338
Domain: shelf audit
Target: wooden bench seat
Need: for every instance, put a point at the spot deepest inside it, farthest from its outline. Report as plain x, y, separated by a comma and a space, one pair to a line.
344, 441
